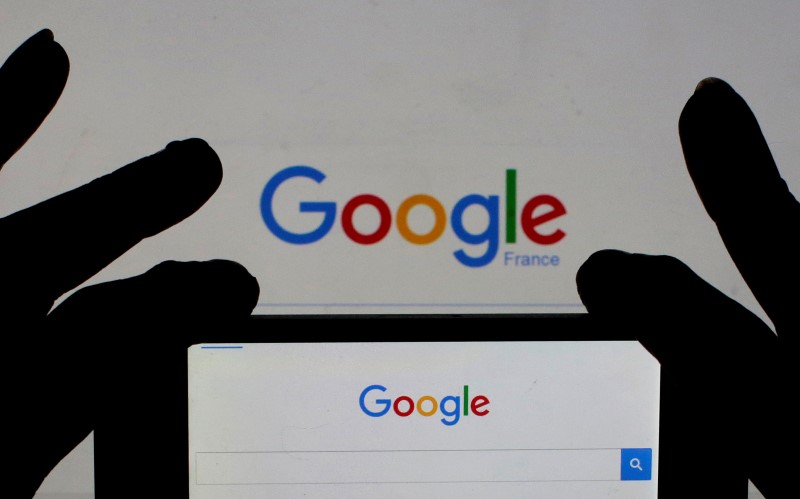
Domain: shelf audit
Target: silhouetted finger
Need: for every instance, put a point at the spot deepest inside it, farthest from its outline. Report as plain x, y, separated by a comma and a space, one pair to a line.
186, 292
666, 293
31, 81
723, 382
54, 246
737, 179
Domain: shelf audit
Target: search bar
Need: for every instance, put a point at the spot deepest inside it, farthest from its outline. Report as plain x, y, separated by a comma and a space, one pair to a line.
422, 466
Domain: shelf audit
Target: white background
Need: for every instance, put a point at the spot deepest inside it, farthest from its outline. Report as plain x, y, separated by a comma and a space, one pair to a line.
392, 98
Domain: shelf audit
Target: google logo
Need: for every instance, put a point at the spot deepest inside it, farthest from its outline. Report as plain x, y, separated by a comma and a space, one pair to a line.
426, 405
536, 211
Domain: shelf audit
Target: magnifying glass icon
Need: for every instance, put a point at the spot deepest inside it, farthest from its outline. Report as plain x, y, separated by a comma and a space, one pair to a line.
636, 464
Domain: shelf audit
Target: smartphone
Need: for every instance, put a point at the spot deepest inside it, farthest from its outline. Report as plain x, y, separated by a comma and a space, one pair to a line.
423, 406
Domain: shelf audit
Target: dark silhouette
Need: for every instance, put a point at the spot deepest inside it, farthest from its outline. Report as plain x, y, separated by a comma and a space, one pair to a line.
111, 357
727, 378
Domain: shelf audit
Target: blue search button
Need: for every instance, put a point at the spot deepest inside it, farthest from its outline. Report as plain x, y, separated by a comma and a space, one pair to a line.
635, 464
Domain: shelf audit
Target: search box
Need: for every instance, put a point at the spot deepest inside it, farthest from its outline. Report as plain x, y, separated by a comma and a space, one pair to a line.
422, 466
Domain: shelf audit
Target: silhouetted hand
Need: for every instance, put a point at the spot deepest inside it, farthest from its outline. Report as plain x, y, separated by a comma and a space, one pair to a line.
728, 380
111, 357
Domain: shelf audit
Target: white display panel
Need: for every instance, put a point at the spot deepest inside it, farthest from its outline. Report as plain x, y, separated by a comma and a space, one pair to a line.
449, 420
401, 98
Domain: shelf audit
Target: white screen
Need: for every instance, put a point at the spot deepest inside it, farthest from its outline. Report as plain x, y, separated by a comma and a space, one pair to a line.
401, 98
449, 420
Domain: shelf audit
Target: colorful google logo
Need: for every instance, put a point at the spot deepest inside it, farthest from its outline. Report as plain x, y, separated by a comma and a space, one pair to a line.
450, 406
536, 211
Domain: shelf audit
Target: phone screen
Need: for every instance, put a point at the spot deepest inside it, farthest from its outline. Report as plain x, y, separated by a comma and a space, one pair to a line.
557, 419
